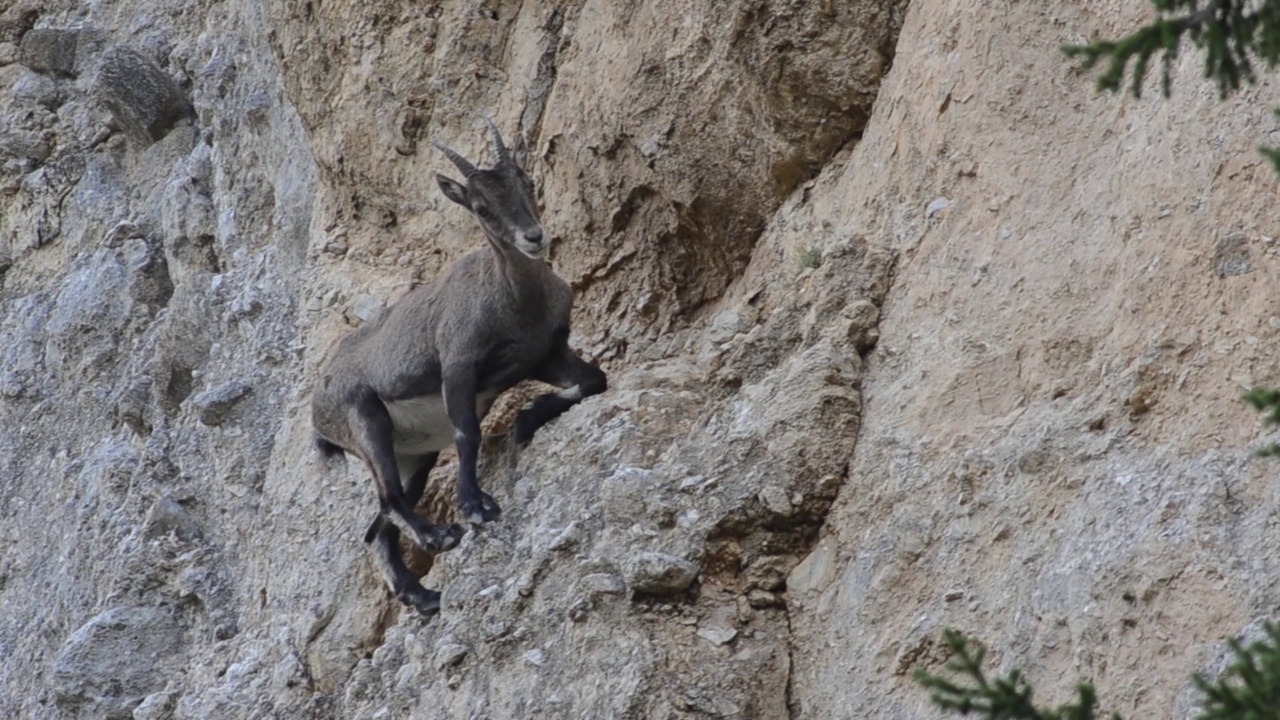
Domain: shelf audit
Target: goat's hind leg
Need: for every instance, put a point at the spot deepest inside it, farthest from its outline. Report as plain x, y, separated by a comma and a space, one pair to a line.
372, 431
383, 539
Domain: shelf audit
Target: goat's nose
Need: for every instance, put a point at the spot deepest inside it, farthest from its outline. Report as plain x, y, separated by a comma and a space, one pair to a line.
534, 236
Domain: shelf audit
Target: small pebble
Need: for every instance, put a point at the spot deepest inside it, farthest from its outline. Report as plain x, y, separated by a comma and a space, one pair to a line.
718, 636
449, 654
659, 573
213, 405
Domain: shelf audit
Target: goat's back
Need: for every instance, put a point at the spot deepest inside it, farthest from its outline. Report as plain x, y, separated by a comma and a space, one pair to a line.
473, 312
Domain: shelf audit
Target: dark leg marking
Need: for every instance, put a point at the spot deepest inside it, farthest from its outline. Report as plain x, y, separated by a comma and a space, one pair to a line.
460, 401
372, 432
384, 540
564, 369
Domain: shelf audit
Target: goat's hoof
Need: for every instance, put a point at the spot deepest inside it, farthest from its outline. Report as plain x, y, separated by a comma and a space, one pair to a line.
439, 538
426, 602
481, 510
451, 536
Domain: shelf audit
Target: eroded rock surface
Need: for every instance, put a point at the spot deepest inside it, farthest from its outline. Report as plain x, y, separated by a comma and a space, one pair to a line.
110, 665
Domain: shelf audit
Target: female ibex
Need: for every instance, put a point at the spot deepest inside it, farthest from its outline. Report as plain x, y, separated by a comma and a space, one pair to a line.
399, 389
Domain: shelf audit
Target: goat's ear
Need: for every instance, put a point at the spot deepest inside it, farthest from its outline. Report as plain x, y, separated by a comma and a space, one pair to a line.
454, 190
520, 153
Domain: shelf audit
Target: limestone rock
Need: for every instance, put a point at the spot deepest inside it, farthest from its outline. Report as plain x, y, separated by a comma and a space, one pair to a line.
26, 145
51, 50
140, 96
156, 706
718, 636
603, 584
38, 89
214, 404
659, 573
112, 663
449, 654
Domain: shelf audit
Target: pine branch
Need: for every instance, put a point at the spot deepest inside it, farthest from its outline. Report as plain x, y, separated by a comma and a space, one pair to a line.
1007, 698
1230, 32
1267, 400
1250, 688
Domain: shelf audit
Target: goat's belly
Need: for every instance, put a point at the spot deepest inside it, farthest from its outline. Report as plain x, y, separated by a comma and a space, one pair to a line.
421, 425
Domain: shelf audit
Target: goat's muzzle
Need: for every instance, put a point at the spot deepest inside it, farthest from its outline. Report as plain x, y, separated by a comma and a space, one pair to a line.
532, 242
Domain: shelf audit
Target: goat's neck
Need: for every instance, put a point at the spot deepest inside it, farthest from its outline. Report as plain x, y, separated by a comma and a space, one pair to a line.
521, 274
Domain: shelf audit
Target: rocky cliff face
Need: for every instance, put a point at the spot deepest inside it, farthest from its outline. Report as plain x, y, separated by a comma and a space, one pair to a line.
906, 329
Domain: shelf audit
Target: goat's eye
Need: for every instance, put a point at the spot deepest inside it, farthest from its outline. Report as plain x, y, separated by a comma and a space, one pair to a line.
483, 211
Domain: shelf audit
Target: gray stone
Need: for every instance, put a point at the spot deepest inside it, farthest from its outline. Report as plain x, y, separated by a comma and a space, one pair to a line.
18, 18
112, 663
149, 281
92, 308
718, 636
24, 144
156, 706
213, 405
1232, 256
449, 654
659, 573
366, 307
141, 97
562, 539
602, 584
760, 599
12, 385
694, 483
168, 516
815, 570
536, 656
50, 50
775, 498
288, 673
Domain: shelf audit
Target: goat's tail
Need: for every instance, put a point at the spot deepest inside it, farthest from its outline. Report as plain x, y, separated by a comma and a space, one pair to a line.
328, 449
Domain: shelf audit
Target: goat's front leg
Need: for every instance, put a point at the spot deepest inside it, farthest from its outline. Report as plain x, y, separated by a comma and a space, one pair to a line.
460, 402
564, 369
372, 431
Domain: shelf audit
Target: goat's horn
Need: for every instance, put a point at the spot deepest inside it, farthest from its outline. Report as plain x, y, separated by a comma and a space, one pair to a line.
463, 164
498, 146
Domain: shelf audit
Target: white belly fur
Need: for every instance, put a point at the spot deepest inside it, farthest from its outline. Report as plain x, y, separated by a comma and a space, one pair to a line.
422, 423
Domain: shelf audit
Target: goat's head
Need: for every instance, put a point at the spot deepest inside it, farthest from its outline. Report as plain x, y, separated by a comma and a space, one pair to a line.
501, 197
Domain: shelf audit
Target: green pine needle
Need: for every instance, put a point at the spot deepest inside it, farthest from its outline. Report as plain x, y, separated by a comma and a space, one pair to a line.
1267, 400
1249, 689
1233, 34
967, 689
